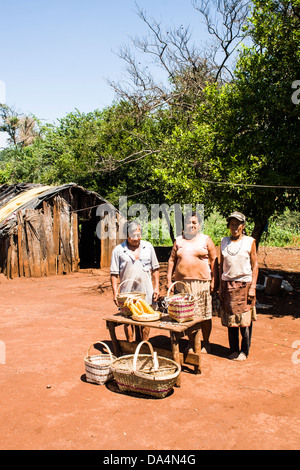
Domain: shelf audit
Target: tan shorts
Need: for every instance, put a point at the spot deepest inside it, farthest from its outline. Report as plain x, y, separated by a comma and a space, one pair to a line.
201, 292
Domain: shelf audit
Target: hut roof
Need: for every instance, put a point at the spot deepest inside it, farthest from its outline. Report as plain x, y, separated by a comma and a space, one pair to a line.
30, 196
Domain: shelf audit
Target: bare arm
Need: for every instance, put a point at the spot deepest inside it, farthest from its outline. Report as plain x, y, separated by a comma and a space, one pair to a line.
171, 264
212, 254
254, 266
220, 275
156, 284
114, 285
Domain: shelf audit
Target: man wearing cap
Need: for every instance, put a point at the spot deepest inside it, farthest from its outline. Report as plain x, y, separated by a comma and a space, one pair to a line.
238, 276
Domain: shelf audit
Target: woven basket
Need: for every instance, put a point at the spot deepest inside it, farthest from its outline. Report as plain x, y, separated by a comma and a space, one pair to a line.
142, 315
98, 367
122, 297
145, 374
147, 317
179, 308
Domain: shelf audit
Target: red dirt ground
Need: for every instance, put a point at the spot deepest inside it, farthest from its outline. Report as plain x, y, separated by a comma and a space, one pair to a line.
48, 324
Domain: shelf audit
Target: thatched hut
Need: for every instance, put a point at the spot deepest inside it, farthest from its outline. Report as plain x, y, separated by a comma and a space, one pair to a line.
48, 230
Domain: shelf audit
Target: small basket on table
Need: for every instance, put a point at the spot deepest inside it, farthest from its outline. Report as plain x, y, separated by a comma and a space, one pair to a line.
122, 297
181, 306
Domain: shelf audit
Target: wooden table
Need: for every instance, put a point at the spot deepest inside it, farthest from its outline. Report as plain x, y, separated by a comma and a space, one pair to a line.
175, 329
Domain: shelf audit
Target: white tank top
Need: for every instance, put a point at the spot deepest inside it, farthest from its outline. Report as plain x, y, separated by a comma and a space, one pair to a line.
236, 259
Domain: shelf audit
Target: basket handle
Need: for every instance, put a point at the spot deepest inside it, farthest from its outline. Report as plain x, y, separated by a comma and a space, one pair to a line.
153, 354
180, 282
103, 344
127, 280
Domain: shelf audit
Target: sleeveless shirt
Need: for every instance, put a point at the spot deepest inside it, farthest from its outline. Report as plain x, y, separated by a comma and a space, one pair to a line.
236, 259
200, 250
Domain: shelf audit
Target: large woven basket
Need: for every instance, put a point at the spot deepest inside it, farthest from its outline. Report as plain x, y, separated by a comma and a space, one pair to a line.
98, 367
181, 306
147, 374
123, 296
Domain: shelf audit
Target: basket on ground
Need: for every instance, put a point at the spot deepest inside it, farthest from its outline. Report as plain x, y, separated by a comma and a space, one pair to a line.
98, 367
147, 374
181, 306
123, 296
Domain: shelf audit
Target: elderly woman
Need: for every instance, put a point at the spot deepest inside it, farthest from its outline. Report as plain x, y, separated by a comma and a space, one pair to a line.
238, 276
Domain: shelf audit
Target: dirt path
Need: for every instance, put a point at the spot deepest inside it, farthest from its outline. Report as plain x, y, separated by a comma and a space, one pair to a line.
47, 326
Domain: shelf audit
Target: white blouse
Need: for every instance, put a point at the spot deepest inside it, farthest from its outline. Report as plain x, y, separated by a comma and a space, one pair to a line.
236, 259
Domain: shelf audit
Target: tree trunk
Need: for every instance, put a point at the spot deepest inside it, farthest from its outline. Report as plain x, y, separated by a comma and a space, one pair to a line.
258, 230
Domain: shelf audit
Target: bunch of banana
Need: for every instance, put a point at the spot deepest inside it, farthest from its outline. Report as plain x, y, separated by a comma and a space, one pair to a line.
139, 306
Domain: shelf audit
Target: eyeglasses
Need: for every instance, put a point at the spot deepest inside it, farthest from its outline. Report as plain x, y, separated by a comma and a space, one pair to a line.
134, 236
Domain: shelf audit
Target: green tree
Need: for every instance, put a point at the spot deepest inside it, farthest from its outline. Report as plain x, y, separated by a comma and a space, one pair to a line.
228, 145
256, 122
109, 151
240, 149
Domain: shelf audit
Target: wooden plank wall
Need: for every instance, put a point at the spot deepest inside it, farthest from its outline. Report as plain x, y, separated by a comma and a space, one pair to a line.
44, 242
110, 237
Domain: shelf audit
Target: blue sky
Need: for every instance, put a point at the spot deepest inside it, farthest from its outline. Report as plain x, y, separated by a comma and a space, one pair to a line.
57, 55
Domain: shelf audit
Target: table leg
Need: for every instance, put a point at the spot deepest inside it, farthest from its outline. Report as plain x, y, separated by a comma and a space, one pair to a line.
112, 331
175, 352
138, 336
197, 349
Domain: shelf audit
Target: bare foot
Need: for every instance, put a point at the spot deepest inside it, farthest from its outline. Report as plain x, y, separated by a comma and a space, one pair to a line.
206, 348
233, 356
241, 357
188, 349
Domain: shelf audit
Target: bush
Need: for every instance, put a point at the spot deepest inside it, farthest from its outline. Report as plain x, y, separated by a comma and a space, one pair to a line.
283, 230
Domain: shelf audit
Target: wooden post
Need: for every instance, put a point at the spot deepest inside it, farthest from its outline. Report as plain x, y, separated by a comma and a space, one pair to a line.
43, 243
12, 259
56, 223
175, 351
34, 255
26, 268
112, 330
108, 240
197, 349
74, 241
49, 243
8, 259
65, 237
20, 243
60, 267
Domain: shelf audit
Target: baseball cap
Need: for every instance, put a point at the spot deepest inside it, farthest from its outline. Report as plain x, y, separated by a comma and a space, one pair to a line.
237, 215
